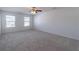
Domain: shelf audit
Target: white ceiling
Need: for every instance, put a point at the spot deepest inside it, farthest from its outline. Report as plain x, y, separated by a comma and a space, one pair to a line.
25, 10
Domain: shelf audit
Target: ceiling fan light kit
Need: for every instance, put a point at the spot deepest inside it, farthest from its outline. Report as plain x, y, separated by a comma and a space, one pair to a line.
33, 12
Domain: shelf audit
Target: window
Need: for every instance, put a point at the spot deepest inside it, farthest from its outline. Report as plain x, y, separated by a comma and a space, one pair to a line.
10, 21
26, 21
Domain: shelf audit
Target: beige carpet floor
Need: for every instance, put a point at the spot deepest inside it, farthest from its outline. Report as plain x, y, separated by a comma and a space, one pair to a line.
32, 40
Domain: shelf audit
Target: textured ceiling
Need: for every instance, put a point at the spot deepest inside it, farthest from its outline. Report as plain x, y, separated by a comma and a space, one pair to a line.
25, 10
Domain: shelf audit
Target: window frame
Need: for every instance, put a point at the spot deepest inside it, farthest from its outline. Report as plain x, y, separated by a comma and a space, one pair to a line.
10, 21
27, 21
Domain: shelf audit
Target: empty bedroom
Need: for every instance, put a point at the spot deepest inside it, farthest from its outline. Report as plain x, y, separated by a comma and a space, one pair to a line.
39, 28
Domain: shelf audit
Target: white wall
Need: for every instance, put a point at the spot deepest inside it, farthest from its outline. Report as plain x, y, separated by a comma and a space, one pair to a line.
60, 21
0, 25
19, 22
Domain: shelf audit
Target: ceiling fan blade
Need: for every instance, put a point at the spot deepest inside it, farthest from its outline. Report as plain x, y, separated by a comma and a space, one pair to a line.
39, 10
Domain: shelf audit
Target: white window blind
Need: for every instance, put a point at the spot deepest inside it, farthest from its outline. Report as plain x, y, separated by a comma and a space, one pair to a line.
10, 21
26, 21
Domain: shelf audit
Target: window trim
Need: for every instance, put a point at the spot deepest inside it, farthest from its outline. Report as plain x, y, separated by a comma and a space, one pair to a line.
7, 22
27, 21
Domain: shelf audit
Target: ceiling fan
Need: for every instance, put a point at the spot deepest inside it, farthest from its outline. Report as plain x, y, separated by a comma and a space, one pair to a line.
35, 10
